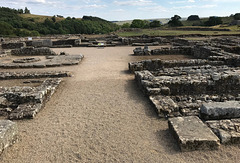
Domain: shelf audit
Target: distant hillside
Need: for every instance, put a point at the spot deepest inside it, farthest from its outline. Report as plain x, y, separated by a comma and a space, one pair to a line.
162, 20
16, 23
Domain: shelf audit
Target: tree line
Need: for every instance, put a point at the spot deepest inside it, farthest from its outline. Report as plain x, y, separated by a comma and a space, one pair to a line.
11, 23
175, 21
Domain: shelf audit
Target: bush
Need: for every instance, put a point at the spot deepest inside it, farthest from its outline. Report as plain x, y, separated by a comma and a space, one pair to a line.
126, 25
175, 21
137, 23
155, 24
193, 18
236, 16
213, 20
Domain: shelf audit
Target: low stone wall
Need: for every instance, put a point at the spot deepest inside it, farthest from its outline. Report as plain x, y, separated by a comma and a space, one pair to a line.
184, 50
34, 75
31, 51
13, 45
51, 61
42, 43
26, 102
188, 88
157, 64
73, 42
184, 42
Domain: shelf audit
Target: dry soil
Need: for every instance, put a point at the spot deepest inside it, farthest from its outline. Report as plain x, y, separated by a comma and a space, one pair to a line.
100, 115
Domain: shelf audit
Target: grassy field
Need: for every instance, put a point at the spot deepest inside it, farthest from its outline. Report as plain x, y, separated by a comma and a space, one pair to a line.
38, 18
161, 32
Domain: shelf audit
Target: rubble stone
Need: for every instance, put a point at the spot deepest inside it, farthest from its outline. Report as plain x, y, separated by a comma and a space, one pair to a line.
227, 130
8, 134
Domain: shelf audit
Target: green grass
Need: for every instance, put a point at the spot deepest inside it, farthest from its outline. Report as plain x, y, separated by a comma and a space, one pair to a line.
152, 32
39, 18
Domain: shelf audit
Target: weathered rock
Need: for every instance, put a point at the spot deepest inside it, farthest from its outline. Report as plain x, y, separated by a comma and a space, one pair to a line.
220, 110
192, 134
8, 134
165, 106
228, 130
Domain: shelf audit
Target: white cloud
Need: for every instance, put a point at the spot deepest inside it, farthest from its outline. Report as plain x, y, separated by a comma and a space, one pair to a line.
229, 1
118, 10
186, 1
208, 6
195, 6
134, 3
154, 9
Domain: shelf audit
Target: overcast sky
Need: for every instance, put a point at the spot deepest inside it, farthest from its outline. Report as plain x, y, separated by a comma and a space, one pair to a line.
127, 9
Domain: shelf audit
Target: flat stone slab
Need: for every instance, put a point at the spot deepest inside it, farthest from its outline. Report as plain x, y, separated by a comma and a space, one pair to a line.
8, 134
227, 130
220, 110
192, 134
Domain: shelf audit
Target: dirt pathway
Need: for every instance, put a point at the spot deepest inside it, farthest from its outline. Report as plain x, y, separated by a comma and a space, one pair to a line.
100, 115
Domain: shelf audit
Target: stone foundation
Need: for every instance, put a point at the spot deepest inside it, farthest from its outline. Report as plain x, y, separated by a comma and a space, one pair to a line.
31, 51
26, 102
13, 45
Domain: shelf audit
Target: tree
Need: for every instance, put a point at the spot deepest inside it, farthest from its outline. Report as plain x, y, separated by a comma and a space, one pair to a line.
126, 25
236, 16
213, 20
155, 24
175, 21
137, 23
26, 10
193, 18
20, 11
6, 29
54, 18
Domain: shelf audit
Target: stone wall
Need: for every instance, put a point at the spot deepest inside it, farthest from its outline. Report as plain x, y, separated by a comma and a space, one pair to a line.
73, 42
184, 50
42, 43
26, 102
13, 45
157, 64
180, 91
34, 75
31, 51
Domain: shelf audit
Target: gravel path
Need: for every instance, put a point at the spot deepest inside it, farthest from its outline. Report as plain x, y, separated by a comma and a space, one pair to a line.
100, 115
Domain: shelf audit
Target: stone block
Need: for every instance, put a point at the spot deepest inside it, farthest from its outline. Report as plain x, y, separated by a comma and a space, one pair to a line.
165, 106
220, 110
8, 134
192, 134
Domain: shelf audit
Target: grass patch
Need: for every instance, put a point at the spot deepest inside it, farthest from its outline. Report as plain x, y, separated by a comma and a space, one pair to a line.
38, 18
159, 32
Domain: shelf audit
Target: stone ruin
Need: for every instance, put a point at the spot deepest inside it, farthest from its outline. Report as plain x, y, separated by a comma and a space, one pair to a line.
79, 41
13, 45
51, 58
33, 89
139, 51
31, 51
24, 102
199, 97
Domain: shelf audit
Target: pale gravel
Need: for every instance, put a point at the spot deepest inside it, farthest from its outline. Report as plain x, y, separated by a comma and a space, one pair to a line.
100, 115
